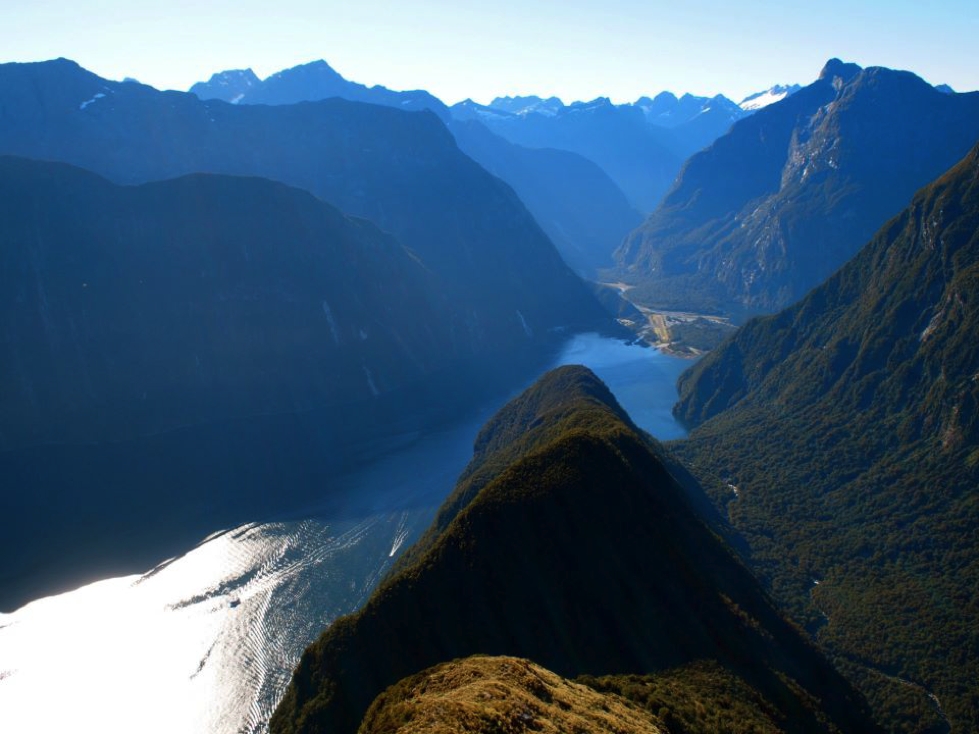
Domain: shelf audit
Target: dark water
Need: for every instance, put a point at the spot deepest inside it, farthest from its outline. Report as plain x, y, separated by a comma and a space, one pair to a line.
207, 642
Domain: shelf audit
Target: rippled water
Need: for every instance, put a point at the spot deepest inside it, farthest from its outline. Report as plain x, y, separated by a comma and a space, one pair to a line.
206, 643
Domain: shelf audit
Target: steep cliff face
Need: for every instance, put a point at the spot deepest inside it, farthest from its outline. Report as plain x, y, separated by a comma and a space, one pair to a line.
132, 310
848, 424
791, 193
568, 542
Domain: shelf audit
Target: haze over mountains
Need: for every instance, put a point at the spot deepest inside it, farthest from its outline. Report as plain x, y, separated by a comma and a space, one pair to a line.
214, 302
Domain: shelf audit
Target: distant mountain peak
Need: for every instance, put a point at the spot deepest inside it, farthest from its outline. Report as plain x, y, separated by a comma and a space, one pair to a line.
836, 69
230, 85
225, 77
530, 104
597, 103
944, 89
319, 67
309, 82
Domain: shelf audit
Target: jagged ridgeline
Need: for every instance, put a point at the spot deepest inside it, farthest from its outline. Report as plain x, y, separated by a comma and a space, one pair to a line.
848, 426
791, 193
568, 542
307, 83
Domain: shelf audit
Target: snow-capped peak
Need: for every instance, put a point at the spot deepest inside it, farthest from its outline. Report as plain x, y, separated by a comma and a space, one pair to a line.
755, 102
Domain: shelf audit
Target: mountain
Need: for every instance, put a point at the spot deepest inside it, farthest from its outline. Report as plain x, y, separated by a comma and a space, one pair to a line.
771, 209
569, 542
580, 208
308, 83
506, 285
844, 430
191, 354
573, 200
758, 100
527, 105
230, 86
695, 122
640, 158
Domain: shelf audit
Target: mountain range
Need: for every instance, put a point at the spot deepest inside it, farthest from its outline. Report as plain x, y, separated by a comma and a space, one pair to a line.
568, 541
308, 83
401, 170
636, 148
862, 513
791, 193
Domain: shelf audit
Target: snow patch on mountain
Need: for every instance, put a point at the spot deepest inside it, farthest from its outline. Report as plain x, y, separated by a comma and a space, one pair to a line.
757, 101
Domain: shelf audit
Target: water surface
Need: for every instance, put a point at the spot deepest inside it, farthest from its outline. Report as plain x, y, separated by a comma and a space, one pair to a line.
206, 642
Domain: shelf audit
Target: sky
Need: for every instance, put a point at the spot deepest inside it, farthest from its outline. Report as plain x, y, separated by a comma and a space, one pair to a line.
457, 49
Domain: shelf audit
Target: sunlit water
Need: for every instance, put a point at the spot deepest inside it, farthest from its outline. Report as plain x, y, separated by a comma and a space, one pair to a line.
206, 643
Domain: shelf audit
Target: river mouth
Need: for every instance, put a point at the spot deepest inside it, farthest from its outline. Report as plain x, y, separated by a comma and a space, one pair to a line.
207, 642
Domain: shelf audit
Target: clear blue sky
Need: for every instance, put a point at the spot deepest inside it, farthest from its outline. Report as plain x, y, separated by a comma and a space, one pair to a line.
575, 49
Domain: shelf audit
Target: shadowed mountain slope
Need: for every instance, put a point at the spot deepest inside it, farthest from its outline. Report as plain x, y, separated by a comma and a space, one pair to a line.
583, 212
401, 170
182, 356
848, 426
568, 542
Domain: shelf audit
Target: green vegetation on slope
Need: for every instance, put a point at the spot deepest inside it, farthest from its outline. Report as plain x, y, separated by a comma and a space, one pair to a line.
580, 552
848, 427
700, 698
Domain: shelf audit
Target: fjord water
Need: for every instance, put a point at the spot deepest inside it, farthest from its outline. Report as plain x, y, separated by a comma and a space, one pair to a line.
206, 642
